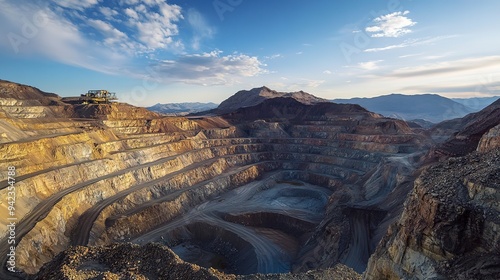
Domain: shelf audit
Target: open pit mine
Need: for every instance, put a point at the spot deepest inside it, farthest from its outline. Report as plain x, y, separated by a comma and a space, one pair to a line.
288, 187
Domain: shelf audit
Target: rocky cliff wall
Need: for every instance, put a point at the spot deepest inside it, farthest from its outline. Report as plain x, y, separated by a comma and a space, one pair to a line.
490, 140
450, 227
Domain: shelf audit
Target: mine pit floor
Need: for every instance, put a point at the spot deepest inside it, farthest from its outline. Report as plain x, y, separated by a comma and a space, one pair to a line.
252, 208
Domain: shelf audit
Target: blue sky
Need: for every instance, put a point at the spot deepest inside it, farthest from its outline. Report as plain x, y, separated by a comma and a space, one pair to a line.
205, 50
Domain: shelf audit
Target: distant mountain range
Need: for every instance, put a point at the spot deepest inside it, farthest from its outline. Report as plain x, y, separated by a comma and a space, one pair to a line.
429, 107
424, 109
181, 109
477, 103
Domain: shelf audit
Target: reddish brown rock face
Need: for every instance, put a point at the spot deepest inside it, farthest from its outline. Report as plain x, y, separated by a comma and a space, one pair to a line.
490, 140
465, 134
449, 227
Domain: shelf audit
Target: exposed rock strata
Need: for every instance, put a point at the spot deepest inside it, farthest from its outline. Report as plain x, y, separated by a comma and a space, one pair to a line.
466, 133
112, 173
490, 140
450, 227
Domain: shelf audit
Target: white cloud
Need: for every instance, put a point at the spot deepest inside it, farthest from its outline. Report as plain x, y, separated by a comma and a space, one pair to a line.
112, 35
208, 68
131, 13
157, 29
410, 55
108, 13
411, 43
151, 25
369, 65
391, 25
95, 41
76, 4
141, 8
201, 29
151, 2
328, 72
54, 37
274, 56
129, 2
299, 53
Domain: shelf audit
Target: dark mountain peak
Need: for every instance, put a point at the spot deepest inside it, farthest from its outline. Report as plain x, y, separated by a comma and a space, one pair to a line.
290, 109
247, 98
262, 88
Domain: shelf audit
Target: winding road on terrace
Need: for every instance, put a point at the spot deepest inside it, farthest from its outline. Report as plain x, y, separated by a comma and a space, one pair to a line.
42, 209
255, 197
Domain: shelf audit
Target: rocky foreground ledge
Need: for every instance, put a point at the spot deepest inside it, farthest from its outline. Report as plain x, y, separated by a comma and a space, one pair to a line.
153, 261
450, 227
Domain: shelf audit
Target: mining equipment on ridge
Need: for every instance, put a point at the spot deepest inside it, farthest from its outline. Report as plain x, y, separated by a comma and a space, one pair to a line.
99, 96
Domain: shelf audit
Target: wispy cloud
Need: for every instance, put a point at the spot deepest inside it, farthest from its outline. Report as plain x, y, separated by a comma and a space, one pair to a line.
55, 37
112, 35
411, 43
132, 13
78, 5
151, 26
369, 65
108, 13
410, 55
208, 68
274, 56
391, 25
201, 29
490, 89
125, 39
447, 67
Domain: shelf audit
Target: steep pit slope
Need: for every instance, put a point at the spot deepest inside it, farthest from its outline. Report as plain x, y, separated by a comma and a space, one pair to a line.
117, 173
365, 204
465, 133
59, 149
247, 98
450, 227
342, 148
